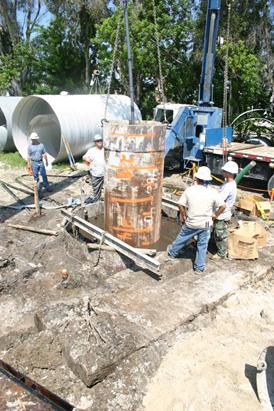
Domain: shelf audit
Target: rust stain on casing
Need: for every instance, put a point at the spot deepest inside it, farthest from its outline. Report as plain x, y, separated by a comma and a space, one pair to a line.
134, 155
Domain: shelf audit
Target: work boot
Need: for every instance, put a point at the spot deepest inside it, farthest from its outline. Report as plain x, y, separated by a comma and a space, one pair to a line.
170, 255
198, 270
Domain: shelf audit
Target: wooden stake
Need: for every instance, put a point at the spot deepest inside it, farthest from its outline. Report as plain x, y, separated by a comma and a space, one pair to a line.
36, 199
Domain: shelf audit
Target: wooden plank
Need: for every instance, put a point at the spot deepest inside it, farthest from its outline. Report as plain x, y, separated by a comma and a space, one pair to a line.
33, 229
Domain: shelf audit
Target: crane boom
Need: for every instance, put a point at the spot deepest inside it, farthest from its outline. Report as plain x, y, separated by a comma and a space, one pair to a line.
209, 52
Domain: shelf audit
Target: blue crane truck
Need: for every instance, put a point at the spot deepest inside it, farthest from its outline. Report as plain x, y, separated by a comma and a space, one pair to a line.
197, 129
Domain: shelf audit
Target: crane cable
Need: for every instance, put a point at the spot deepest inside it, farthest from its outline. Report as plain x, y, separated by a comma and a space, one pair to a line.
225, 90
115, 48
161, 78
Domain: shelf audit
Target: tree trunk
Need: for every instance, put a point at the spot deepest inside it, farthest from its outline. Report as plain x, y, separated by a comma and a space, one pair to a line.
86, 57
10, 20
138, 89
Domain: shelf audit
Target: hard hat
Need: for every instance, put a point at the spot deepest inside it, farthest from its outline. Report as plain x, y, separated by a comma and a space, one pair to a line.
98, 137
231, 167
34, 136
203, 173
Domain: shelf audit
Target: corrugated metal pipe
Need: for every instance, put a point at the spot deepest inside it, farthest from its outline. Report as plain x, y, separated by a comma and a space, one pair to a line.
7, 106
76, 117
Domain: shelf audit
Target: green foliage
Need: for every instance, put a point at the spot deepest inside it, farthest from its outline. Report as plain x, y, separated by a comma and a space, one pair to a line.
245, 76
250, 62
62, 166
13, 159
80, 37
14, 64
58, 64
175, 26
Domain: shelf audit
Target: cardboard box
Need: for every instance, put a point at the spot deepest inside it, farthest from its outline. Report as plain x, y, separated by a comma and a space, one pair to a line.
255, 230
253, 204
243, 242
241, 247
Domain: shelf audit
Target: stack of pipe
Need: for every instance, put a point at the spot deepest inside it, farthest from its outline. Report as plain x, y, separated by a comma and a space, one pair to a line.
73, 118
7, 107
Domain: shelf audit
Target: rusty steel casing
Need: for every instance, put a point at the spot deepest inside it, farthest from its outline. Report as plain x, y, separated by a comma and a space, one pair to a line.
134, 157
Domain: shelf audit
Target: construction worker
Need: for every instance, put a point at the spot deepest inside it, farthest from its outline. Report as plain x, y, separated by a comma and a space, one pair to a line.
36, 166
228, 193
95, 160
196, 206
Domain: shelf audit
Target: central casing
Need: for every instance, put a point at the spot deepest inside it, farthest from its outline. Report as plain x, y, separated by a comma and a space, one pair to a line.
134, 155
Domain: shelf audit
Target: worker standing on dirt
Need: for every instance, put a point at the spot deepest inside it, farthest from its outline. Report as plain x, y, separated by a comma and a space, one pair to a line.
197, 205
95, 159
228, 193
36, 155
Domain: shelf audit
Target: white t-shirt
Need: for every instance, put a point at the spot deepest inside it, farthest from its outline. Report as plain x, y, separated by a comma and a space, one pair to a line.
97, 161
228, 193
201, 202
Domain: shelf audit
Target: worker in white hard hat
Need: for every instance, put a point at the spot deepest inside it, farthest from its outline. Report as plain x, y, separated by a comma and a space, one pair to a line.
199, 205
95, 160
228, 193
36, 155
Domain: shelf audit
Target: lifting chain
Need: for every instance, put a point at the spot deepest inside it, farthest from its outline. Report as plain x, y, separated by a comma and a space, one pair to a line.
115, 48
225, 91
161, 78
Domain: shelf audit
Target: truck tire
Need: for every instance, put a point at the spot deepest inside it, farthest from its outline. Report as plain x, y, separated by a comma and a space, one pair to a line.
270, 183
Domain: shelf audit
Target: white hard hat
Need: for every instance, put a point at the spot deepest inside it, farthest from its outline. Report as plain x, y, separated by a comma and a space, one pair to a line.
34, 136
98, 137
203, 173
231, 167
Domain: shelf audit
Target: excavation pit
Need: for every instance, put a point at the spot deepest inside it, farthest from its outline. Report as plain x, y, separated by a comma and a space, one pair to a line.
170, 228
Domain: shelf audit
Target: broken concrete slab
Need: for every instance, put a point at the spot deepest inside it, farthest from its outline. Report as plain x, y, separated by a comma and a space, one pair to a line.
55, 317
33, 351
93, 347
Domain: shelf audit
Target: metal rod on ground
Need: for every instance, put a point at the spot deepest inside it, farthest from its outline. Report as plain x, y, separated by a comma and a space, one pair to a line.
14, 196
17, 188
33, 229
36, 199
134, 254
27, 384
130, 65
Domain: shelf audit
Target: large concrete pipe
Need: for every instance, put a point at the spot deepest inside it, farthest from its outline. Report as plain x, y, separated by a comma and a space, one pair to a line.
134, 155
76, 117
7, 106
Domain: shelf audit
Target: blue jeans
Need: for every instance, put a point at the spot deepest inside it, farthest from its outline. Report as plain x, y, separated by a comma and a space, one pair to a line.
187, 234
39, 167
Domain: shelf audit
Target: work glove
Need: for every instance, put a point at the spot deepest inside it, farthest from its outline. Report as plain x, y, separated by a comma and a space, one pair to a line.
29, 170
